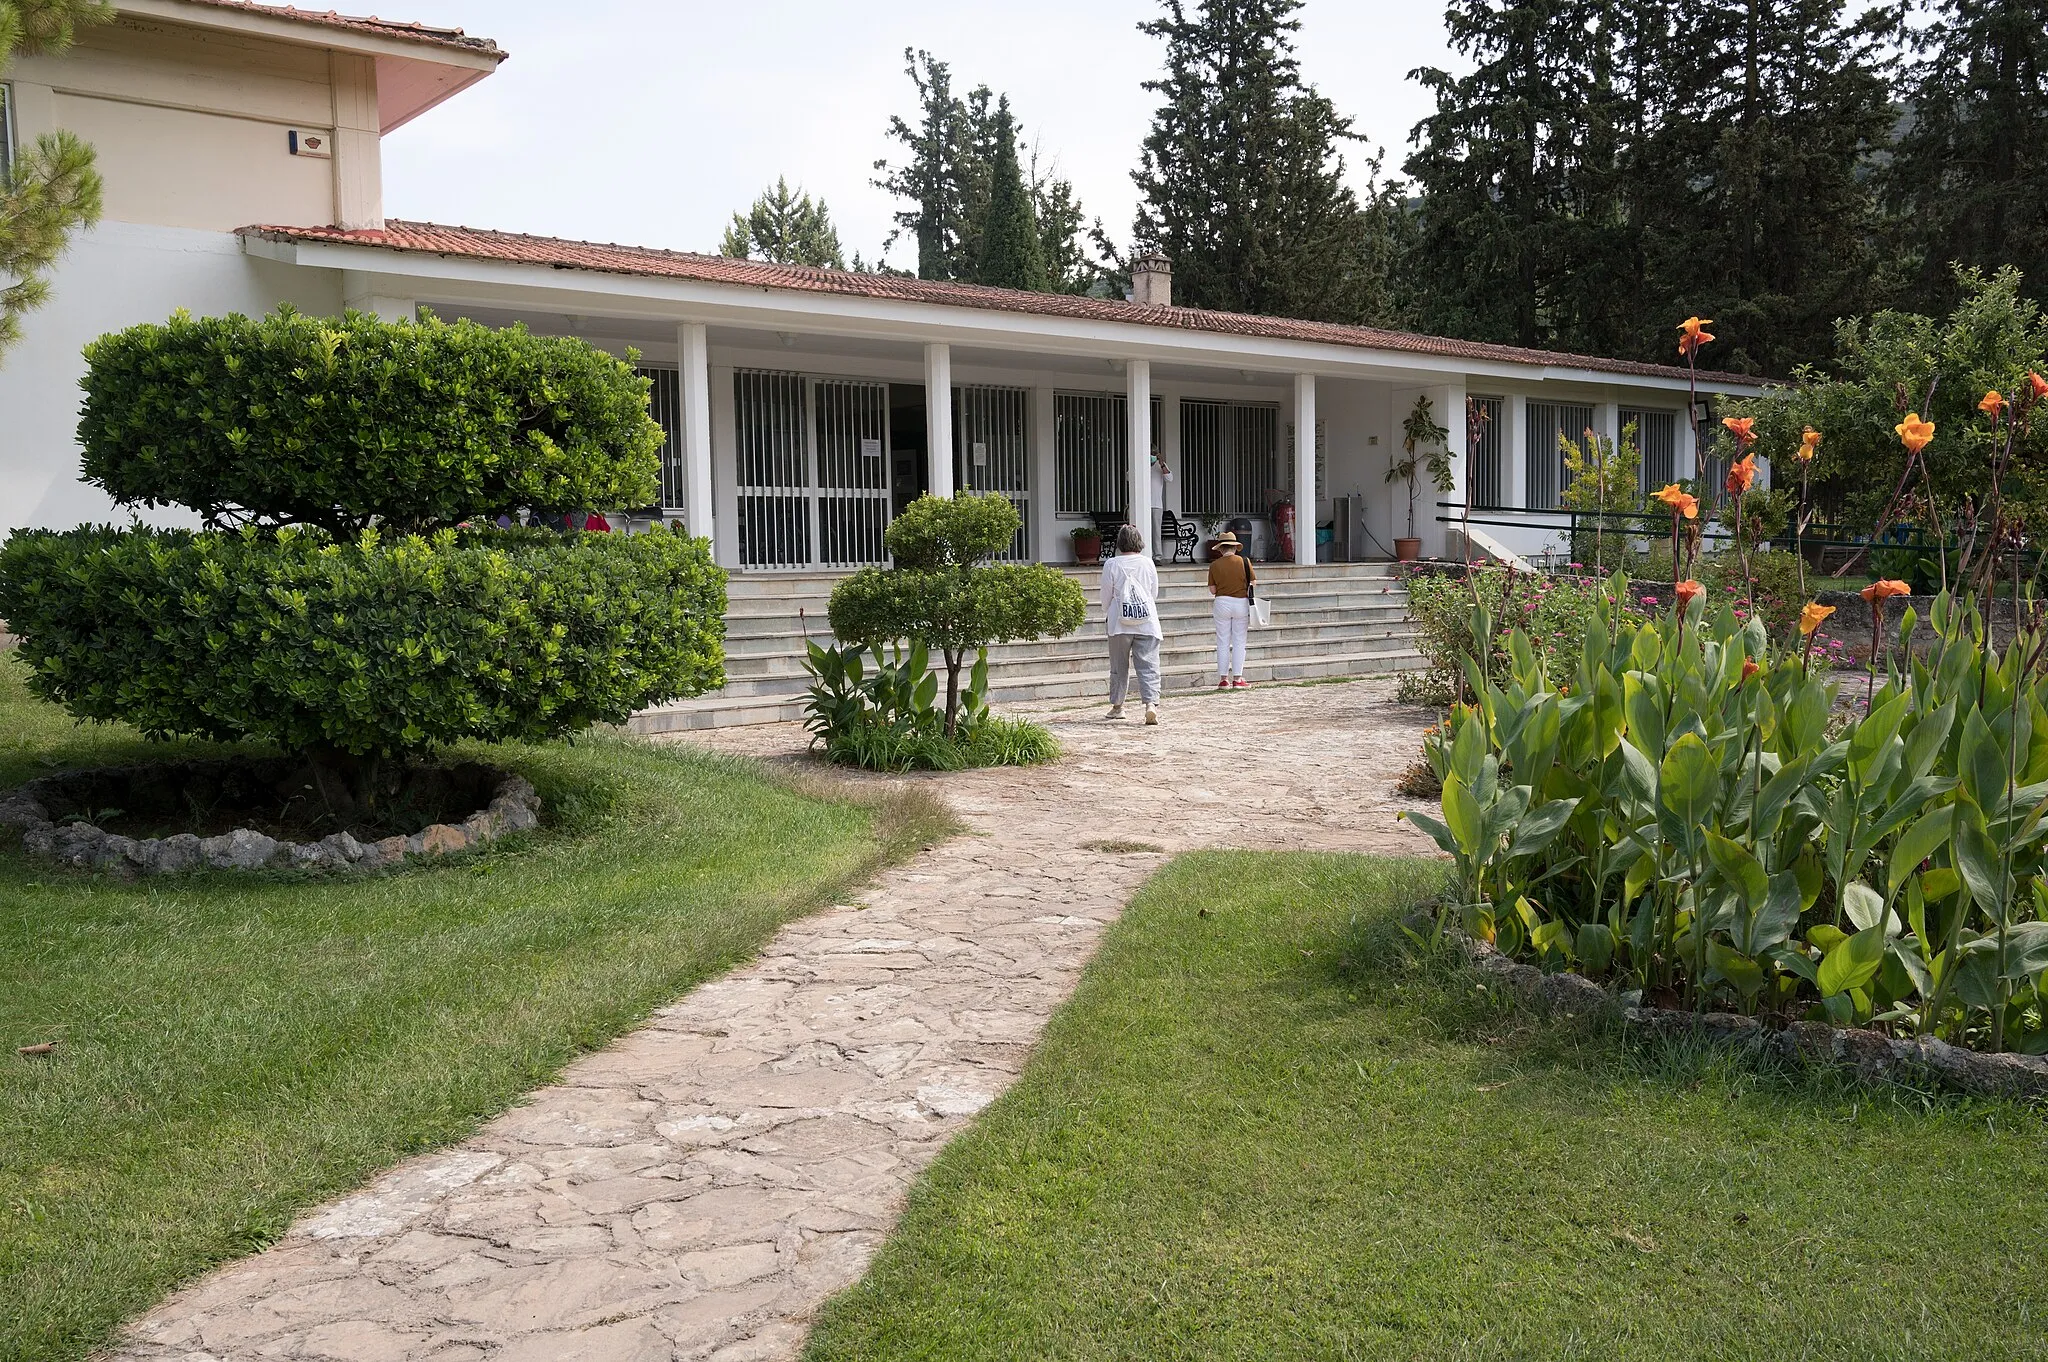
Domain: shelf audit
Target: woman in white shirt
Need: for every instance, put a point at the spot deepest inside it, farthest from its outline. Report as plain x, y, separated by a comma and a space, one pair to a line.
1130, 612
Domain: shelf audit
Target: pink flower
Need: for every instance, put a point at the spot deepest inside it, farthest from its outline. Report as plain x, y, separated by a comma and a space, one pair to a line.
1649, 600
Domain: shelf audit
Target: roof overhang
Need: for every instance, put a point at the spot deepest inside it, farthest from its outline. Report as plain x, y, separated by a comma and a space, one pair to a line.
467, 280
417, 68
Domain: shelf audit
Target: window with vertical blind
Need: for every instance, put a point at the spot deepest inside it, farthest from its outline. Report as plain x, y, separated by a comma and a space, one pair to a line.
1657, 438
1090, 440
1487, 472
665, 405
990, 441
6, 131
1229, 457
1543, 459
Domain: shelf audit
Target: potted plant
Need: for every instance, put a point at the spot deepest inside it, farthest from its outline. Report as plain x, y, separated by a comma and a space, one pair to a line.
1087, 545
1425, 445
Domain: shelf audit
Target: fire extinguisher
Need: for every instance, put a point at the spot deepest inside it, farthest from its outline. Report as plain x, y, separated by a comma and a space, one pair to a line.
1283, 529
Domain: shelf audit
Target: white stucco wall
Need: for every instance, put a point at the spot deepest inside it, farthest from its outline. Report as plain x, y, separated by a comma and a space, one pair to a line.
114, 276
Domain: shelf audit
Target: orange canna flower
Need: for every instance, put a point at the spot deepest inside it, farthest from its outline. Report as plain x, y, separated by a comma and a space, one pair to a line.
1679, 503
1811, 616
1693, 334
1739, 427
1914, 433
1809, 445
2037, 385
1992, 403
1687, 592
1877, 592
1742, 475
1749, 668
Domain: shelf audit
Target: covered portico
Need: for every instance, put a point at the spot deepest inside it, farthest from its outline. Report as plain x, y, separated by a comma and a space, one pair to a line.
804, 407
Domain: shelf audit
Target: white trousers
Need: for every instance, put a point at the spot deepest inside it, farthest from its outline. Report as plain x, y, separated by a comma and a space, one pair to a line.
1231, 613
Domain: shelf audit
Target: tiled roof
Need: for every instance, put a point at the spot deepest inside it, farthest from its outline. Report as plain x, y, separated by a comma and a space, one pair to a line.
387, 28
478, 244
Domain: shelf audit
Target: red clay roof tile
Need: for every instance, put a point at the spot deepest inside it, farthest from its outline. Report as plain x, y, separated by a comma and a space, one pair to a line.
480, 244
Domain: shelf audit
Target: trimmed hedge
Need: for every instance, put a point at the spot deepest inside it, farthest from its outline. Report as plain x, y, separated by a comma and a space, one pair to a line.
374, 646
317, 421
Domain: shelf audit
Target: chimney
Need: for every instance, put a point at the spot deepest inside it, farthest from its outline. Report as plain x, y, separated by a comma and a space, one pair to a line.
1152, 280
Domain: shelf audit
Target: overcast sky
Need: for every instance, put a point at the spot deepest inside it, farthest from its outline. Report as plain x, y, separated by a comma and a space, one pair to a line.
651, 123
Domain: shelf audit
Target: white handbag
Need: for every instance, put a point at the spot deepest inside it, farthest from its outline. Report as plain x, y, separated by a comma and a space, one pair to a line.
1258, 610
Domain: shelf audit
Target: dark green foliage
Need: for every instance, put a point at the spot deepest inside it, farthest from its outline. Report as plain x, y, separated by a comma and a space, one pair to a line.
785, 226
949, 181
1604, 170
944, 594
1968, 180
1241, 182
372, 647
334, 423
1012, 254
879, 712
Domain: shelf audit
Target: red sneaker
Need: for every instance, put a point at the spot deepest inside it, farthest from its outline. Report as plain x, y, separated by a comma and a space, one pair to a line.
1239, 683
1223, 683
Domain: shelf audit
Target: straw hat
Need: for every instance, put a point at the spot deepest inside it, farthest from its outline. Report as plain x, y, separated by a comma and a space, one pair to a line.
1224, 539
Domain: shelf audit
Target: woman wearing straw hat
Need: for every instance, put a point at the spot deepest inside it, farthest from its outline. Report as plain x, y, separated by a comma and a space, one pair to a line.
1230, 582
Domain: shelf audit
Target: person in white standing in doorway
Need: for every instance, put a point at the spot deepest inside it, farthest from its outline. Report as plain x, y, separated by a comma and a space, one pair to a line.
1230, 582
1130, 614
1161, 475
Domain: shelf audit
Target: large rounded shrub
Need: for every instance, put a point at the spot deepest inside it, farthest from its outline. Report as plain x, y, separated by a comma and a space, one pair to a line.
335, 606
344, 423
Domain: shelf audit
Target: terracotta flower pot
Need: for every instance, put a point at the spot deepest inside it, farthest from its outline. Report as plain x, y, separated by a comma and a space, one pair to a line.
1407, 550
1087, 549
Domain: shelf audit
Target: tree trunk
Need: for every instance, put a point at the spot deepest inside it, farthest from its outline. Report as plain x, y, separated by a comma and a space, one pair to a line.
348, 784
953, 659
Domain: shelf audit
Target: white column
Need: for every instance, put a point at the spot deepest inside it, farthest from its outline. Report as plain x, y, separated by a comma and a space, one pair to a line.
1138, 457
693, 353
1437, 537
1514, 449
363, 292
938, 418
1053, 546
1304, 468
358, 145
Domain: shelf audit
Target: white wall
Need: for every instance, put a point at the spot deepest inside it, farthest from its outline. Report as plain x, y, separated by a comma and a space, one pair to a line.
116, 276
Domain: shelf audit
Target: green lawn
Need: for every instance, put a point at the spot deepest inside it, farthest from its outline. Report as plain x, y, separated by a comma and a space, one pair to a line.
1251, 1135
232, 1051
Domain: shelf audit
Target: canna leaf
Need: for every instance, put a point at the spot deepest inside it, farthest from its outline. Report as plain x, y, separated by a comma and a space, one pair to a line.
1918, 842
1852, 962
1540, 825
1864, 906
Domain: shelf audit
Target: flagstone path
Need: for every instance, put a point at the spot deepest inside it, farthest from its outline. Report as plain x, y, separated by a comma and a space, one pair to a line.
697, 1189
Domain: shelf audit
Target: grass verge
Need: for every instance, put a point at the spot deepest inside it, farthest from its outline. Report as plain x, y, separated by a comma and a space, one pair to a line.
1258, 1134
231, 1050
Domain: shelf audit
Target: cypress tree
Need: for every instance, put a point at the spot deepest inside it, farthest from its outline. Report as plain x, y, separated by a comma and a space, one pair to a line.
1968, 182
1241, 183
785, 226
1012, 255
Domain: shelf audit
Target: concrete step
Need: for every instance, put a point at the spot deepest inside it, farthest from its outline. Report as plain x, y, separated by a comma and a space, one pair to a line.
719, 711
763, 640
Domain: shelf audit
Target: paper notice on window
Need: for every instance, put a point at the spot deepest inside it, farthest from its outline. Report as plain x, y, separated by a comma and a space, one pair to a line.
871, 449
980, 454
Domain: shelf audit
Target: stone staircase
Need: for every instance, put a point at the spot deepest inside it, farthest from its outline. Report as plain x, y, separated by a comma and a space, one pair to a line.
1333, 619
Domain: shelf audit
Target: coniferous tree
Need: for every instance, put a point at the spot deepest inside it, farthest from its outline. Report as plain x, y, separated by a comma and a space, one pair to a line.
1610, 165
947, 181
786, 226
1241, 182
51, 189
1968, 181
1012, 253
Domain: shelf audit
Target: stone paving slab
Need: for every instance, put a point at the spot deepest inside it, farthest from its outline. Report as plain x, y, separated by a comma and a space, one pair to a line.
697, 1189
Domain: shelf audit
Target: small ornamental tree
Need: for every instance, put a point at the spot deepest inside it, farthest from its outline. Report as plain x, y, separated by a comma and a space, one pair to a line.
339, 603
944, 592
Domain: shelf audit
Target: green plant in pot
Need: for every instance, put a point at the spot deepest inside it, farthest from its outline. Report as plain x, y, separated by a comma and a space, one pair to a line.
1087, 544
1425, 447
337, 601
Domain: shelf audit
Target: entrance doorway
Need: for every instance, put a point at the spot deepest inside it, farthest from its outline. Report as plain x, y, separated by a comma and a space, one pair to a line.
908, 469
